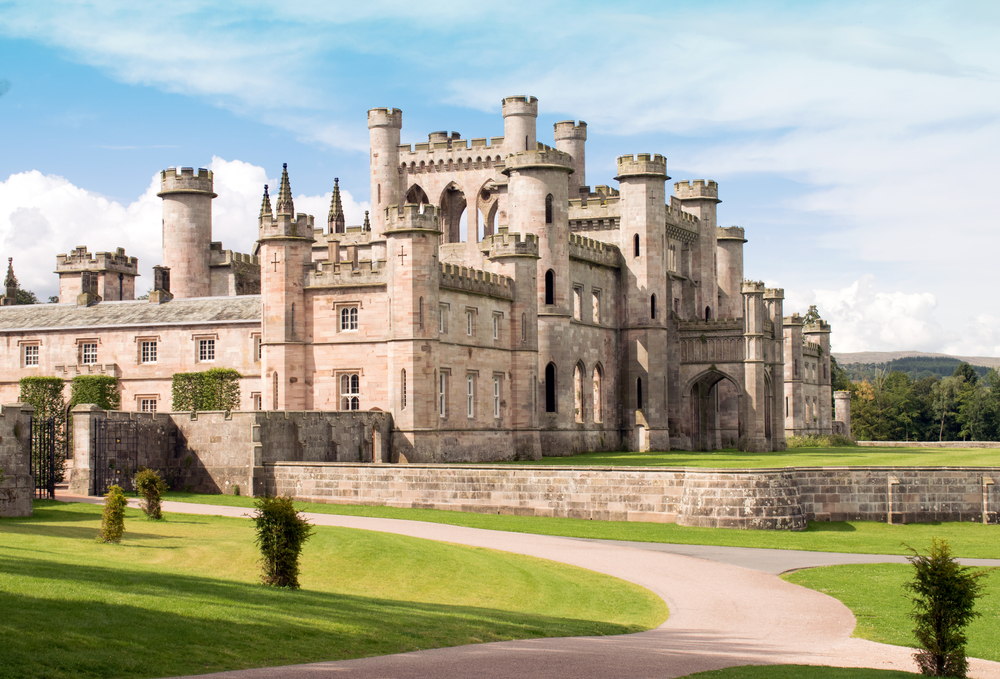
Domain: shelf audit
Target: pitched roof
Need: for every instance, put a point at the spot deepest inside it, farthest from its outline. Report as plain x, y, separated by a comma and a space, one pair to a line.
199, 310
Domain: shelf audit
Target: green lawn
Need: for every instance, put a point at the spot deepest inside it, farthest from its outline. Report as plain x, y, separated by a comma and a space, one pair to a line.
970, 540
875, 595
800, 457
798, 672
182, 597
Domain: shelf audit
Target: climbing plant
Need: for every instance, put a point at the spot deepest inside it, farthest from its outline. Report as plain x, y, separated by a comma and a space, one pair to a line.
213, 389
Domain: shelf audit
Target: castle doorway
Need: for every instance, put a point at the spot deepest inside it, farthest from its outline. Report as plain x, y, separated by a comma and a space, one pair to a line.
716, 411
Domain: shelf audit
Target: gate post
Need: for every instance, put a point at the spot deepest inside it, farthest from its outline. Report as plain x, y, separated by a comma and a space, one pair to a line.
85, 417
18, 486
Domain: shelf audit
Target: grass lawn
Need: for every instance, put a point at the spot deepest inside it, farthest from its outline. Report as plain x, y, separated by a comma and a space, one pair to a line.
875, 595
798, 672
182, 597
970, 540
853, 456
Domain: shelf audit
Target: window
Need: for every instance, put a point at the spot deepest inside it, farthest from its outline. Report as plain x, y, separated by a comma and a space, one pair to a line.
635, 244
275, 391
206, 350
350, 391
598, 394
147, 351
577, 303
795, 367
469, 322
652, 307
88, 353
443, 393
420, 312
348, 318
638, 393
470, 395
402, 388
496, 396
524, 327
147, 405
597, 307
548, 209
257, 401
550, 287
550, 388
708, 313
443, 319
30, 355
256, 348
496, 326
578, 393
786, 406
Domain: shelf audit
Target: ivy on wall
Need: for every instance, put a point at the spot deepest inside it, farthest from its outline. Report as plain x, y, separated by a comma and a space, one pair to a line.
45, 394
213, 389
101, 390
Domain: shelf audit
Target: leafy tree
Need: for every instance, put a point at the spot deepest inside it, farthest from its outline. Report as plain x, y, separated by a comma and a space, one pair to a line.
944, 400
944, 597
967, 372
26, 297
53, 299
972, 404
281, 533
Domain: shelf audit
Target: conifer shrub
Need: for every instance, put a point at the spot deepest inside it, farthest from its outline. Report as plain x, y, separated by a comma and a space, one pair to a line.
150, 487
944, 597
281, 533
113, 518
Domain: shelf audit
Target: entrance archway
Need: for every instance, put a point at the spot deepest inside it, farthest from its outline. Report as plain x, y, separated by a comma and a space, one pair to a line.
716, 411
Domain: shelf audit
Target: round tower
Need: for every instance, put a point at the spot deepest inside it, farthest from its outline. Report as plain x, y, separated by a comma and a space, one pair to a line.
571, 138
519, 114
729, 269
384, 125
187, 229
843, 412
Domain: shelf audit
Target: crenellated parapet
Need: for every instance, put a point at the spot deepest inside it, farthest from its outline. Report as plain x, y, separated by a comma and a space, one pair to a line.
452, 155
642, 165
411, 217
753, 287
286, 226
699, 188
543, 157
600, 211
220, 257
81, 260
385, 117
186, 180
569, 129
476, 282
816, 327
520, 106
593, 251
327, 274
503, 244
730, 233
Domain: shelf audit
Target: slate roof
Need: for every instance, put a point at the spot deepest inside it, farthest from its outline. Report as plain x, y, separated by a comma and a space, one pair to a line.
195, 311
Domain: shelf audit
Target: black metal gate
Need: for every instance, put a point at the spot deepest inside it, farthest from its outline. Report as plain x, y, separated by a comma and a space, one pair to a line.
43, 457
116, 443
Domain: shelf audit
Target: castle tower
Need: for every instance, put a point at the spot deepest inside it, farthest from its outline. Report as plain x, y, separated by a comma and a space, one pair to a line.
700, 198
644, 330
774, 299
116, 274
730, 271
795, 416
384, 125
285, 249
335, 220
519, 114
187, 229
757, 410
818, 332
843, 413
571, 138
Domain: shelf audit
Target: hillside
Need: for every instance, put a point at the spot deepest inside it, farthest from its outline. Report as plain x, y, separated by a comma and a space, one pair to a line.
845, 358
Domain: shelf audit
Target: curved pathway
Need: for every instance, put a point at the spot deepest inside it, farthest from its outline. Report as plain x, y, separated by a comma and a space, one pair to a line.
721, 614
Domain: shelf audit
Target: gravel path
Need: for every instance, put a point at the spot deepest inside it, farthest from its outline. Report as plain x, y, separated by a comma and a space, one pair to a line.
726, 608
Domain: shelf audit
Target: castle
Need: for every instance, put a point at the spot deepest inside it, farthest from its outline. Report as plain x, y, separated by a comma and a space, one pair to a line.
492, 302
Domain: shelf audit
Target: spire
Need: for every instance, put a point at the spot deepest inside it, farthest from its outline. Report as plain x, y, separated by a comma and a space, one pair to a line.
368, 224
265, 206
11, 281
336, 219
285, 205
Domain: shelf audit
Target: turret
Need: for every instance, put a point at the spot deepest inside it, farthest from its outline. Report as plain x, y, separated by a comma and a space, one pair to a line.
795, 416
187, 229
384, 125
571, 138
700, 198
730, 271
842, 416
757, 428
818, 332
116, 273
10, 283
519, 114
335, 220
774, 299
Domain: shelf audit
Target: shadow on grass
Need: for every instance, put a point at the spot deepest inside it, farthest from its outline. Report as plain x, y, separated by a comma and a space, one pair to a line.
97, 621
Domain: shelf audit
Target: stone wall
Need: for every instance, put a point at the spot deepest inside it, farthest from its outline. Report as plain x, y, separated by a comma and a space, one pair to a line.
930, 444
18, 486
753, 499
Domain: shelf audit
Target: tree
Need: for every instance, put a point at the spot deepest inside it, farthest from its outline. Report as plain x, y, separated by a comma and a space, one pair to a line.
972, 403
26, 297
151, 487
944, 598
944, 399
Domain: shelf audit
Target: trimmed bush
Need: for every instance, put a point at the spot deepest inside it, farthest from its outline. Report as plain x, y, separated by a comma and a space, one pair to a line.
281, 532
113, 518
101, 390
944, 598
150, 487
819, 441
213, 389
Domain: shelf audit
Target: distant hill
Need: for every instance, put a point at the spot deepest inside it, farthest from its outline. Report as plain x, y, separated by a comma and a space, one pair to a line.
845, 357
917, 365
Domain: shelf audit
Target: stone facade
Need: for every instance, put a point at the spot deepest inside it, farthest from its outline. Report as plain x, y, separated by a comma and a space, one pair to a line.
18, 486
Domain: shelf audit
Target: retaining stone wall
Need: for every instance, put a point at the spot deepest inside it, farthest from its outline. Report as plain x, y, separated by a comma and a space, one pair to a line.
18, 487
930, 444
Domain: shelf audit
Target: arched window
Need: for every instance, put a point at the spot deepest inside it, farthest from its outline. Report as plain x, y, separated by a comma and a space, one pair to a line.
578, 393
708, 313
652, 306
350, 392
550, 388
402, 388
550, 287
598, 394
275, 391
638, 393
548, 209
635, 244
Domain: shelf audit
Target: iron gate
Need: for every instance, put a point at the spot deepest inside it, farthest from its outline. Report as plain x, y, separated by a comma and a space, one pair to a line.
117, 446
43, 457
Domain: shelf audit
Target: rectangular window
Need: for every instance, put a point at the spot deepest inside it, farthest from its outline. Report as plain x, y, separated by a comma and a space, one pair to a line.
470, 395
147, 351
597, 307
206, 350
496, 396
578, 303
256, 348
496, 326
443, 393
257, 401
30, 355
443, 319
147, 405
469, 322
88, 353
348, 318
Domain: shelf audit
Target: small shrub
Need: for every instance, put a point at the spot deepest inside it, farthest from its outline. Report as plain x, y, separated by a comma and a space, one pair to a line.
236, 489
150, 486
281, 532
820, 441
945, 594
113, 519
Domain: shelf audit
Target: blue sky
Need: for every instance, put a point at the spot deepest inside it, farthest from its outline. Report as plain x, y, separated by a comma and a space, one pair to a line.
856, 142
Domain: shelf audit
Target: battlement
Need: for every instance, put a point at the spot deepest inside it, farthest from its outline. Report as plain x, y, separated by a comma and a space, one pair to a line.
220, 257
410, 216
452, 155
642, 164
696, 327
774, 293
303, 226
568, 129
476, 282
699, 188
811, 349
327, 274
186, 180
600, 214
81, 260
753, 287
816, 327
594, 251
730, 233
385, 117
681, 219
520, 106
504, 244
794, 319
542, 157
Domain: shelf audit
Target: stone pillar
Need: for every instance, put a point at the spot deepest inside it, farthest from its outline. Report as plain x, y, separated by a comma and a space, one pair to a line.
843, 413
18, 485
84, 417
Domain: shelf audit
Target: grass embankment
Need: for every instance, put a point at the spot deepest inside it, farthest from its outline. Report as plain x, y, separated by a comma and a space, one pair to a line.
875, 595
970, 540
182, 597
798, 672
800, 457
